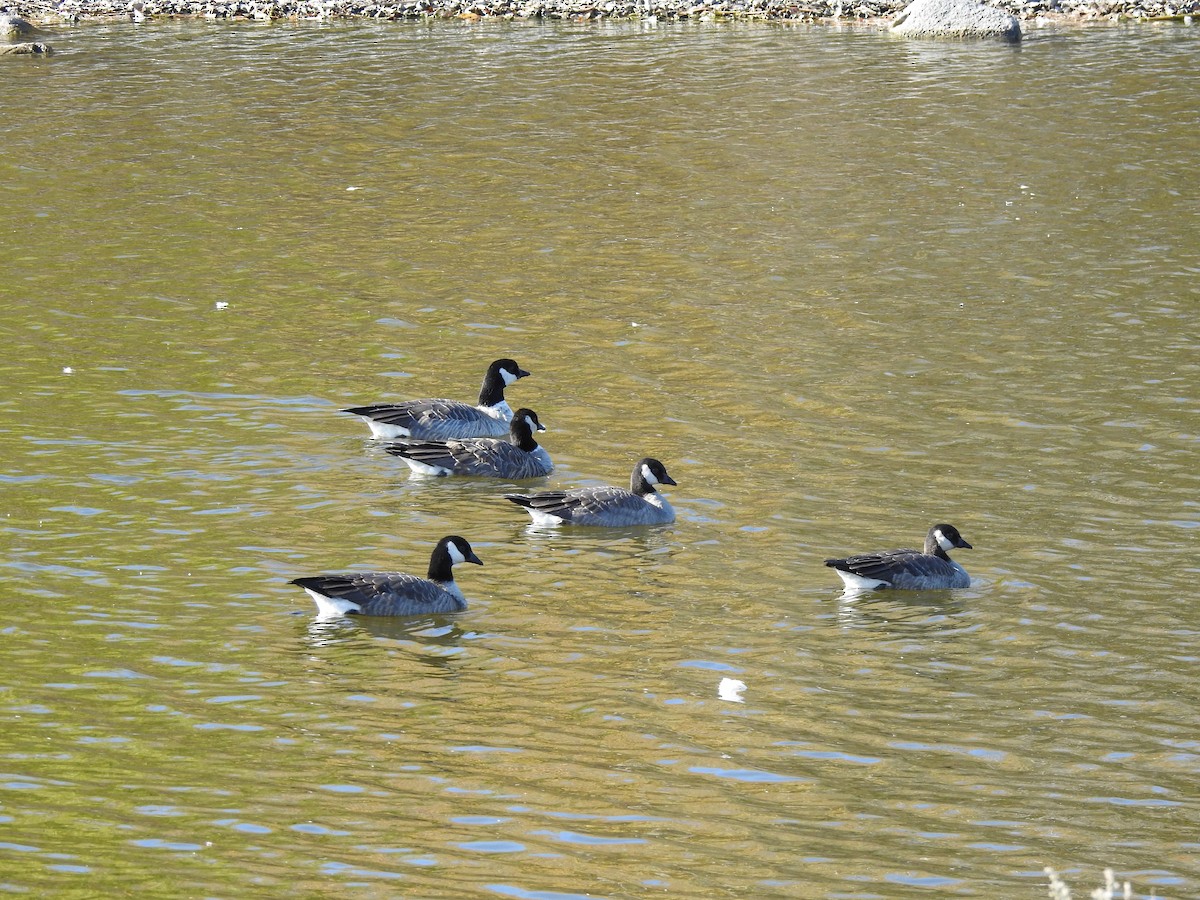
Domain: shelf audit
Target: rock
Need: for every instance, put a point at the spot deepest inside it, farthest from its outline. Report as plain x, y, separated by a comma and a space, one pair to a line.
29, 48
956, 19
11, 26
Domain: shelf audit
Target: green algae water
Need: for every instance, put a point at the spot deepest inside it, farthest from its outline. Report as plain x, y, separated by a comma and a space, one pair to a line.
844, 286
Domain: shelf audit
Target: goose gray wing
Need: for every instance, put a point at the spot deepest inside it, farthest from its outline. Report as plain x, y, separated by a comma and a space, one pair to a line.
502, 459
435, 420
386, 593
906, 569
560, 504
485, 458
466, 457
606, 505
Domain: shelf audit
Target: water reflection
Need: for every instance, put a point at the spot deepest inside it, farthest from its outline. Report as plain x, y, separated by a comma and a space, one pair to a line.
430, 639
437, 637
904, 612
621, 543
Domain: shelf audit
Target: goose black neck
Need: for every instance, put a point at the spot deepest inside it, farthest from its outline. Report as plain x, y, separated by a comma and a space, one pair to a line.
522, 435
934, 548
639, 485
492, 391
441, 567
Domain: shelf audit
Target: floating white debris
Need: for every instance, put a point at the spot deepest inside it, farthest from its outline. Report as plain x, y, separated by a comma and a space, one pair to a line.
353, 188
731, 689
221, 304
67, 370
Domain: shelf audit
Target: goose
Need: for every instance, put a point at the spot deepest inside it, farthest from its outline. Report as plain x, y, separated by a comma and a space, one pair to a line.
612, 506
914, 570
447, 420
395, 593
516, 459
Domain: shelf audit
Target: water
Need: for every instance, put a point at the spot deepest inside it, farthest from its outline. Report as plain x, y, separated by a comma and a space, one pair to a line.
844, 286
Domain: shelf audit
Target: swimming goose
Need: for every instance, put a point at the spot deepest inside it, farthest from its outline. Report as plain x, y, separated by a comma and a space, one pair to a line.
447, 420
612, 506
914, 570
395, 593
516, 459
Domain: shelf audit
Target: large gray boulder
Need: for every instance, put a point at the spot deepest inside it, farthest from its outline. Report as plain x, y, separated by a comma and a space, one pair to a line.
956, 19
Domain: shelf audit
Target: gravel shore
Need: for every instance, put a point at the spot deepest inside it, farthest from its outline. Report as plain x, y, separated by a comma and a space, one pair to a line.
41, 12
